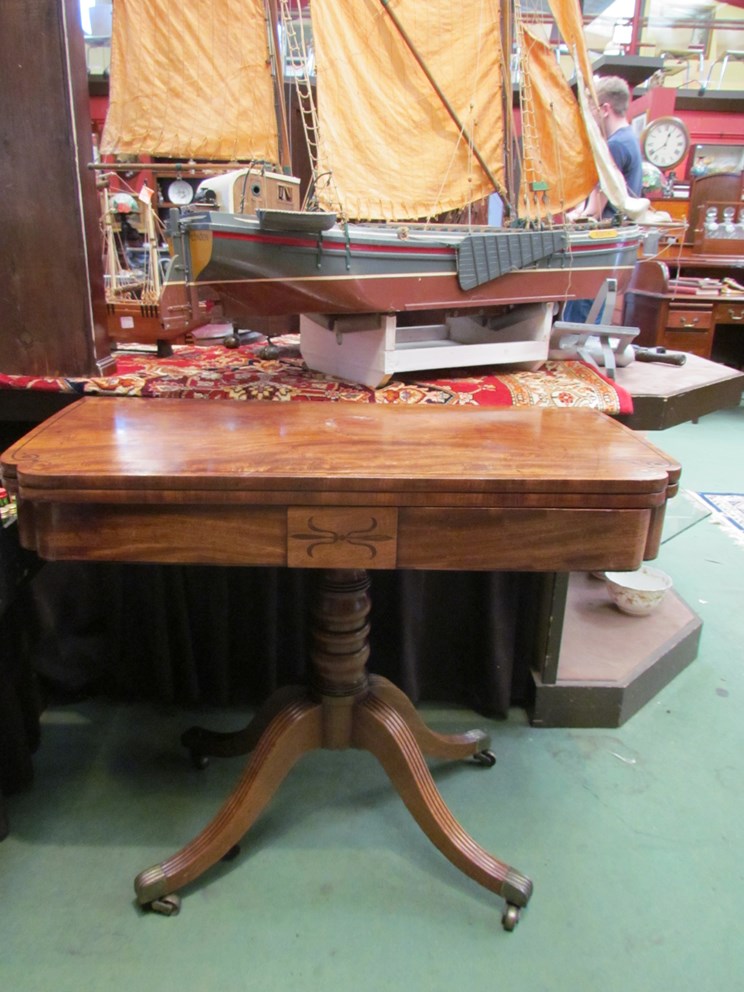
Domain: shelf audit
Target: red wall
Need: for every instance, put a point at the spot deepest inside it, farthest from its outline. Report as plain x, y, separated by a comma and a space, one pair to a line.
705, 126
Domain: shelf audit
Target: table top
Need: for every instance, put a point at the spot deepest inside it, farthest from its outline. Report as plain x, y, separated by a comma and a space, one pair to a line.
338, 486
231, 450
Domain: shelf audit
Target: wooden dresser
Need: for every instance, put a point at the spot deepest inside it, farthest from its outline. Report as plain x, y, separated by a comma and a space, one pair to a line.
676, 315
691, 296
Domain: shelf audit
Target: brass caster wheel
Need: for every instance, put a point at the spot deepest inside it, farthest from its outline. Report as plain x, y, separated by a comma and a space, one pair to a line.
511, 917
198, 760
231, 341
269, 352
169, 905
487, 759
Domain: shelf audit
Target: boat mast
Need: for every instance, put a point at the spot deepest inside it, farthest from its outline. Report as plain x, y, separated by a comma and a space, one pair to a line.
272, 18
153, 285
445, 102
507, 96
111, 267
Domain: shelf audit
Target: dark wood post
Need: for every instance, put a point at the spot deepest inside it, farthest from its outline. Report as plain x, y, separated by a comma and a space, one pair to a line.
52, 306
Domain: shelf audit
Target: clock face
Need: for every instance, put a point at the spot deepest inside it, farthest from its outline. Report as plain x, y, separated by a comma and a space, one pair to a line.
665, 142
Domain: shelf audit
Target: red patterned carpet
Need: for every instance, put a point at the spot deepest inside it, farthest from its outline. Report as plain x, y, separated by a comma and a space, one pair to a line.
217, 372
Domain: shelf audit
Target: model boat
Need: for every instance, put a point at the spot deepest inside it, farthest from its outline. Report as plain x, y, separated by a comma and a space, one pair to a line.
133, 292
410, 118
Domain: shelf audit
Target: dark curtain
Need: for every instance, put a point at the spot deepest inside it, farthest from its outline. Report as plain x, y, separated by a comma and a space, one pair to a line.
19, 700
193, 634
19, 705
199, 634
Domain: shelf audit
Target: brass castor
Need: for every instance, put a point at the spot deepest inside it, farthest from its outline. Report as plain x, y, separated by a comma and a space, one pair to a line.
169, 905
198, 760
487, 759
511, 917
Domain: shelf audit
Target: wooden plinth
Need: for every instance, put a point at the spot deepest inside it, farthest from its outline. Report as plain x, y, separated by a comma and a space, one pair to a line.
609, 665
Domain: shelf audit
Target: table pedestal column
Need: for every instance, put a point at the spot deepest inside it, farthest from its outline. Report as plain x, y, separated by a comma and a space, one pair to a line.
343, 707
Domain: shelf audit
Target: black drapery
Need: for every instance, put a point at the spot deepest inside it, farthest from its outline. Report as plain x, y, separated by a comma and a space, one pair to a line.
207, 634
229, 636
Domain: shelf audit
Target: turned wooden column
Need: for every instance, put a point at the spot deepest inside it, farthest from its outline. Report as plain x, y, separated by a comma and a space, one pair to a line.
340, 650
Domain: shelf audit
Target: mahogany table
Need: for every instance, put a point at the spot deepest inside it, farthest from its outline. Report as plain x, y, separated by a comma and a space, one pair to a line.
343, 489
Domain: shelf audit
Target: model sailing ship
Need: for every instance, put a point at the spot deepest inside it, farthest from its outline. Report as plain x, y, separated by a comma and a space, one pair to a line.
133, 293
410, 119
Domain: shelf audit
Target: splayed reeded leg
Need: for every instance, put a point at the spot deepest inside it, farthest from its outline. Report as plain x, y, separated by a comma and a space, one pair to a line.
343, 707
380, 729
294, 730
450, 747
203, 743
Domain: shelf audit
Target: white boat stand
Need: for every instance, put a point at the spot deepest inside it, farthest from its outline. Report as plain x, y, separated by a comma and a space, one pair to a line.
371, 348
597, 343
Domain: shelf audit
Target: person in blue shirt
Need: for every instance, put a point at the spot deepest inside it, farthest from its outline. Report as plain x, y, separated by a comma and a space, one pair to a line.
613, 98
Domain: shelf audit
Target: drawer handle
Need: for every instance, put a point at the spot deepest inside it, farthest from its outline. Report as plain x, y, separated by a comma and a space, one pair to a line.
686, 322
735, 314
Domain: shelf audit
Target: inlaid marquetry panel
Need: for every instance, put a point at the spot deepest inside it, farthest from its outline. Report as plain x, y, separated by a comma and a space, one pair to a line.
330, 537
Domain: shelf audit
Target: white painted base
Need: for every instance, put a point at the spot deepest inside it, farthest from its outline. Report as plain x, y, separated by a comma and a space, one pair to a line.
371, 348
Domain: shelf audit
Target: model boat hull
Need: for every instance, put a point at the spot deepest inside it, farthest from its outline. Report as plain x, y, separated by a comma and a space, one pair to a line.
358, 268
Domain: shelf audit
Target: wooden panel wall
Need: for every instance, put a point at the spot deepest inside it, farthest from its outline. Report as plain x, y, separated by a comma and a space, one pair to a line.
52, 308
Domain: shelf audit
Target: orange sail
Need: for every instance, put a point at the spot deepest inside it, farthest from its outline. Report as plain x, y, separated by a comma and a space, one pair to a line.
567, 16
568, 20
191, 80
394, 149
557, 170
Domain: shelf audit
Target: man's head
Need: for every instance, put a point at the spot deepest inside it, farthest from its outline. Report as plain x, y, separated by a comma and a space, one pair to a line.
613, 98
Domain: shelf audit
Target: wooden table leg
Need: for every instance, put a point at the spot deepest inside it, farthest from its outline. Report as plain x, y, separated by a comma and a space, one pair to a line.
450, 747
204, 743
293, 731
375, 719
343, 707
380, 729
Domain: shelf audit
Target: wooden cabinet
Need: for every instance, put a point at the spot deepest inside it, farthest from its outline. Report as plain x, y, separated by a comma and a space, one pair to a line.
670, 318
51, 294
686, 328
728, 312
678, 324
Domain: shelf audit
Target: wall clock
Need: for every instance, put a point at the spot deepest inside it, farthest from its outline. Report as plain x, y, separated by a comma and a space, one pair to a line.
665, 142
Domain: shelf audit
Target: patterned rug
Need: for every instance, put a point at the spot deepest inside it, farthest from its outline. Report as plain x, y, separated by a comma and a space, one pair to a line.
728, 512
217, 372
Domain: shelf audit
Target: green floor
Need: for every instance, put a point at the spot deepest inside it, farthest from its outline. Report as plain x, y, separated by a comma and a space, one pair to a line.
633, 837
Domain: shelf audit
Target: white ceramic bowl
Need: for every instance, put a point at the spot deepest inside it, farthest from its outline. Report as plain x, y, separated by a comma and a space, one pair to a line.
640, 592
